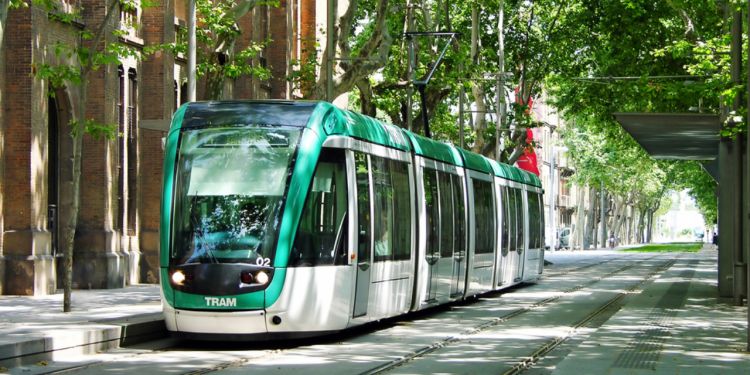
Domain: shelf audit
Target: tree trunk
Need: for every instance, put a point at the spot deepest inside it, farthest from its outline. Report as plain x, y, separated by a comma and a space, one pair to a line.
500, 94
578, 230
377, 51
71, 219
641, 226
477, 90
214, 86
589, 238
367, 107
628, 225
4, 4
619, 215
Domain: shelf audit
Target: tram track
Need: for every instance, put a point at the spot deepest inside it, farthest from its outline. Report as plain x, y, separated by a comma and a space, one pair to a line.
472, 331
522, 364
548, 346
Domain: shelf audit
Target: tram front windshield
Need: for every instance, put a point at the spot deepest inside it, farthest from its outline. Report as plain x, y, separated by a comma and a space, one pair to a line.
229, 191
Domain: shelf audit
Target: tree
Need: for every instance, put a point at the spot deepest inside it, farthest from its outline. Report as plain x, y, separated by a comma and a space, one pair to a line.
75, 64
671, 57
218, 57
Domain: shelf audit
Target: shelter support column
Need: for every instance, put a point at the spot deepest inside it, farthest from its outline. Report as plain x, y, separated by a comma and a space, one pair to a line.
730, 214
746, 214
737, 181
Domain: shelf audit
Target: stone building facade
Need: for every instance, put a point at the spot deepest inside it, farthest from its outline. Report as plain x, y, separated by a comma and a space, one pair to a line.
117, 240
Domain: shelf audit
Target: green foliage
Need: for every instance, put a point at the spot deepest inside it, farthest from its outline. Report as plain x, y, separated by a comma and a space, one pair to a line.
677, 55
701, 187
305, 70
73, 62
216, 33
676, 247
15, 4
95, 129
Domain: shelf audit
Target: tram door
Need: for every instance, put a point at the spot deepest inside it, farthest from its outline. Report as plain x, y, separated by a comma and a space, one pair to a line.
364, 239
458, 279
521, 229
505, 269
445, 252
432, 240
513, 273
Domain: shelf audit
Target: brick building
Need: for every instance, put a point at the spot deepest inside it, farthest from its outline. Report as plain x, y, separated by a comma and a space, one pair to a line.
117, 235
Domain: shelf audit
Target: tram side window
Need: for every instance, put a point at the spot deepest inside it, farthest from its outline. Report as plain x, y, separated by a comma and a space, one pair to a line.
542, 234
432, 213
520, 219
459, 213
392, 209
512, 219
402, 204
534, 239
362, 167
505, 234
446, 215
321, 235
484, 217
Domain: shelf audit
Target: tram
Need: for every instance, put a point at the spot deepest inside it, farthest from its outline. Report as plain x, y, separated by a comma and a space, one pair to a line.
295, 219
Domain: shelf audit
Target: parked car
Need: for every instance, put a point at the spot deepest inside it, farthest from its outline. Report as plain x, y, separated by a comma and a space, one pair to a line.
563, 239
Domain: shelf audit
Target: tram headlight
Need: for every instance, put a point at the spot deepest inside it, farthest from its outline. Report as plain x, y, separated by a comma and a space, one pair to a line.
246, 277
178, 277
261, 278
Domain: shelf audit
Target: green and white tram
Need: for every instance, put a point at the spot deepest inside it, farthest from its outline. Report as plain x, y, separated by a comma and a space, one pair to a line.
292, 219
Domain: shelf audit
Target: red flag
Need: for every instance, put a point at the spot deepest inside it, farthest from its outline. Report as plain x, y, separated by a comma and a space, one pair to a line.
520, 101
528, 161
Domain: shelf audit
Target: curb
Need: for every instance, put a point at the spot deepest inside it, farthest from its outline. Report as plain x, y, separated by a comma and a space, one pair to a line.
24, 348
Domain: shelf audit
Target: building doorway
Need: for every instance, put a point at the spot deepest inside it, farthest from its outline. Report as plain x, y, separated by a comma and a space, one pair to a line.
59, 171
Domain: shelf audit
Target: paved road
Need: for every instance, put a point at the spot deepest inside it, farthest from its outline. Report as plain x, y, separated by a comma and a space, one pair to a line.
598, 312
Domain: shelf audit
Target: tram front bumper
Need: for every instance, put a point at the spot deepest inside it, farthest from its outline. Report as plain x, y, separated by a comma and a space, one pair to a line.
215, 322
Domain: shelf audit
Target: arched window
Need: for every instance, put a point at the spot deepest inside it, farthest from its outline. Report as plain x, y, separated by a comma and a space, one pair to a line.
131, 146
120, 153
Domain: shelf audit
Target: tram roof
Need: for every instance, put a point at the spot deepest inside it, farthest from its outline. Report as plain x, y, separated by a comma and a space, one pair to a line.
476, 162
508, 172
363, 127
433, 149
277, 112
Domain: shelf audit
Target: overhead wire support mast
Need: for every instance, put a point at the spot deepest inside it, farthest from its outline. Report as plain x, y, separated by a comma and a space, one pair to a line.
422, 83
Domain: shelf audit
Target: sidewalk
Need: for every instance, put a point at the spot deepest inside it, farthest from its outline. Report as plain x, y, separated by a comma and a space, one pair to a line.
676, 325
35, 328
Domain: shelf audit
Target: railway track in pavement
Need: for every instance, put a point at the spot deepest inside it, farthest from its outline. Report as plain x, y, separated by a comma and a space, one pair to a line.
568, 282
526, 362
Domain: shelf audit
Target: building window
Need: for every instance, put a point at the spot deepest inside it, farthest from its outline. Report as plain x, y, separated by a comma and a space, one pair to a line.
130, 16
132, 151
120, 151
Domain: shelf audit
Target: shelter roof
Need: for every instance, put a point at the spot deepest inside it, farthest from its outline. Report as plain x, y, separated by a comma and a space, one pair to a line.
674, 136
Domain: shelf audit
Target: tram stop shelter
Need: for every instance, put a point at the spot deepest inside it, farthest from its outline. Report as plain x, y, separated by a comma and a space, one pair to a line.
694, 136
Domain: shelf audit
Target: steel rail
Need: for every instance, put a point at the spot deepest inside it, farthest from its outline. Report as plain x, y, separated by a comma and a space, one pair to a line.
502, 319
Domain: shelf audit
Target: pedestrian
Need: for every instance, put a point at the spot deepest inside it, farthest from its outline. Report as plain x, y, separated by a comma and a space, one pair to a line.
715, 239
